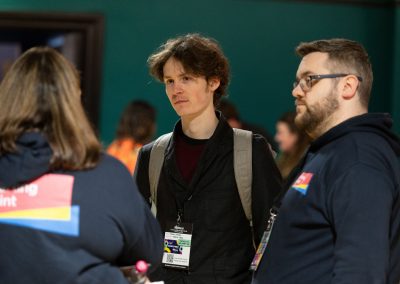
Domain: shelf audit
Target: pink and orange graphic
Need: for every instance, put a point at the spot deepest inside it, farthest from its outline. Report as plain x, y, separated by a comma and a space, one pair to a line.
44, 204
302, 183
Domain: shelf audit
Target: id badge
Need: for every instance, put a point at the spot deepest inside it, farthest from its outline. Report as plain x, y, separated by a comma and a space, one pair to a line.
263, 244
177, 243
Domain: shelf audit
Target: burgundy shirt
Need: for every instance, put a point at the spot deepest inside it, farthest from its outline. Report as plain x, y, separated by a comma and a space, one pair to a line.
188, 152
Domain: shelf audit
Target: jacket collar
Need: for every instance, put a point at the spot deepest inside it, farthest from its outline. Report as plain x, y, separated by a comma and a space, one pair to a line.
218, 142
377, 123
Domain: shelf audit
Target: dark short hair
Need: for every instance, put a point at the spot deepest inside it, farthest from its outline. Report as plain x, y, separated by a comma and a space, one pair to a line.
287, 161
137, 122
228, 109
345, 56
289, 118
199, 55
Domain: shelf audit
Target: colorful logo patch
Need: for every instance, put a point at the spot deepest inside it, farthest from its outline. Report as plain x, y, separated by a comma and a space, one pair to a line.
43, 204
302, 183
172, 246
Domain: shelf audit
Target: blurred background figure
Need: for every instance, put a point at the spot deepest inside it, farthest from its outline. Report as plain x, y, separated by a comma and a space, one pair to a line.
230, 112
292, 143
137, 127
68, 212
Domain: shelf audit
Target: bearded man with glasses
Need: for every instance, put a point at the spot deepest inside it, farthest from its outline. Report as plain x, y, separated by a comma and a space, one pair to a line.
339, 220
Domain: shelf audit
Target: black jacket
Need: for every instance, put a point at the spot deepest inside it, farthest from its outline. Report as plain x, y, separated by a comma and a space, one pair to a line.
341, 223
222, 241
107, 223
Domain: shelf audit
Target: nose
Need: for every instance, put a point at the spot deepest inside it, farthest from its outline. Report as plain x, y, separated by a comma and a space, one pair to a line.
297, 91
276, 138
173, 89
177, 88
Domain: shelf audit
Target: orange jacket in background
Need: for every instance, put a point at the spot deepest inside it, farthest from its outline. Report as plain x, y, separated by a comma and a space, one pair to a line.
126, 150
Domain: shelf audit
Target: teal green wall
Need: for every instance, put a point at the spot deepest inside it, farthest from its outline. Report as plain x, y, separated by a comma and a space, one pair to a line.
258, 37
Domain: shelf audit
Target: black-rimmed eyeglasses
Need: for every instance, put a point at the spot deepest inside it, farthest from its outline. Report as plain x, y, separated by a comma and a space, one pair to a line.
306, 83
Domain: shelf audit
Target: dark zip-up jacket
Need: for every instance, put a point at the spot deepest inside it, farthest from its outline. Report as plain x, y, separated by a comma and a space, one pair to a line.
222, 246
340, 220
70, 226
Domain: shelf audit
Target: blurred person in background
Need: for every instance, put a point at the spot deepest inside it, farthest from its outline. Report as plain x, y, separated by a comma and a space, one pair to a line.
136, 127
292, 143
230, 112
68, 212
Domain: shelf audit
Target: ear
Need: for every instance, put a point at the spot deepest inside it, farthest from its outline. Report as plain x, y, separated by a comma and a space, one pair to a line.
214, 83
350, 86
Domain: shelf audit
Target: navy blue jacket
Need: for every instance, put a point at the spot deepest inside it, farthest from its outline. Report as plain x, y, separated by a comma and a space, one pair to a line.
339, 222
107, 222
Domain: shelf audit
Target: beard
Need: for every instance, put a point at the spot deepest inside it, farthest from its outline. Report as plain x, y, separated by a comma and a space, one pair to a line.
316, 116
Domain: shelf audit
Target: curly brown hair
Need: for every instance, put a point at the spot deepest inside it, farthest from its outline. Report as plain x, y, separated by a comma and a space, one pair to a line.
199, 55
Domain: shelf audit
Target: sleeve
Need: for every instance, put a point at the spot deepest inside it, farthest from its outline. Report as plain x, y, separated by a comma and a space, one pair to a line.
141, 174
266, 185
359, 204
148, 244
141, 232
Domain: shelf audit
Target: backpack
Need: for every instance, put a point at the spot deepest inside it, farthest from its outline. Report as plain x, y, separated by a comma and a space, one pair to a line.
242, 142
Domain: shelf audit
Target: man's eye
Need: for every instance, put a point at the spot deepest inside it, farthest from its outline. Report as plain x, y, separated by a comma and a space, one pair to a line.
185, 78
169, 81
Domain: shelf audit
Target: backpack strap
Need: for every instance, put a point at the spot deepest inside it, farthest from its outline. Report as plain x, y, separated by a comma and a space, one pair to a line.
242, 145
242, 141
155, 165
